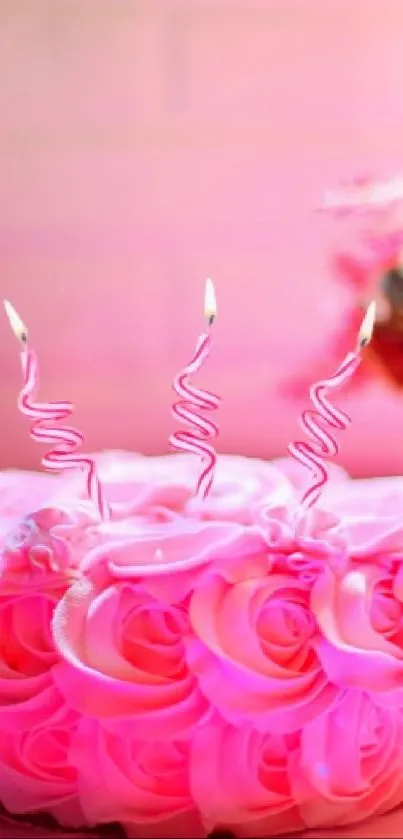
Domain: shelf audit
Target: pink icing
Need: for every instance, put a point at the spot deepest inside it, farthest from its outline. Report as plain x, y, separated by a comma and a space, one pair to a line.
144, 785
36, 771
123, 657
21, 493
190, 666
240, 779
162, 487
348, 765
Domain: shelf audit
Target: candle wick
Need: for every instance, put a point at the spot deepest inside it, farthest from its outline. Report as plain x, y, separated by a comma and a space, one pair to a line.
363, 342
211, 320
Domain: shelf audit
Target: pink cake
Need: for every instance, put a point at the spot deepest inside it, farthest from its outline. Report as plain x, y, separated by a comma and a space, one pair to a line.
190, 667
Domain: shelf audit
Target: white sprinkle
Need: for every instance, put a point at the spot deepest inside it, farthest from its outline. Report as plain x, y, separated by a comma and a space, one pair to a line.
355, 582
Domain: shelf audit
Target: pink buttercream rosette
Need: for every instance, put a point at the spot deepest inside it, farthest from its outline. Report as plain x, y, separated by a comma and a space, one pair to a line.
188, 673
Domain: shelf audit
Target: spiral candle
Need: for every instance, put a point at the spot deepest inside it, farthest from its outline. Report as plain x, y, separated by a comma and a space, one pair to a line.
314, 454
43, 430
191, 401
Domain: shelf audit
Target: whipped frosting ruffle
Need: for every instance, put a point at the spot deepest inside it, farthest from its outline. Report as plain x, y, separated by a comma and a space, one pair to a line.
230, 665
21, 493
162, 487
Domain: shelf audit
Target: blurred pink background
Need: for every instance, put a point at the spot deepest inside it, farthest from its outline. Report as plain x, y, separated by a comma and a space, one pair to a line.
145, 145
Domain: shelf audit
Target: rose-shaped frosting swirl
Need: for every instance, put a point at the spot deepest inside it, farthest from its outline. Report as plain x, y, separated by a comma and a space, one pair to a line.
240, 780
361, 619
36, 774
26, 656
143, 785
35, 570
253, 651
123, 655
360, 611
26, 650
170, 559
121, 631
349, 765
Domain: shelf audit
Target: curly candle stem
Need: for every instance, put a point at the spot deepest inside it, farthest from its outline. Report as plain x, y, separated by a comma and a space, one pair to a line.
66, 438
324, 445
192, 400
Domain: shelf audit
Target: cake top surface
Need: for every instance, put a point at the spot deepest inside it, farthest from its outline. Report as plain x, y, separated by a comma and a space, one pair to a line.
158, 524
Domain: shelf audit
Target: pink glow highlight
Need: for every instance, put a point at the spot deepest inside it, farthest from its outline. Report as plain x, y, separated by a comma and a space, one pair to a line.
66, 438
364, 195
200, 428
324, 445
